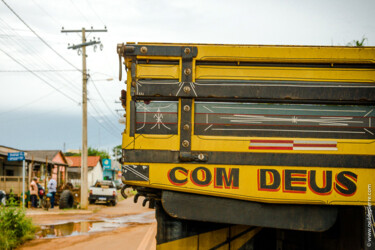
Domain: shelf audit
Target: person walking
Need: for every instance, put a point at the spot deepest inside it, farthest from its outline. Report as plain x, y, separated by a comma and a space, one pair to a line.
34, 192
52, 184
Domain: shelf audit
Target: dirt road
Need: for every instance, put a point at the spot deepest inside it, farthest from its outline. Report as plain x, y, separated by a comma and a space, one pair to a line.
132, 235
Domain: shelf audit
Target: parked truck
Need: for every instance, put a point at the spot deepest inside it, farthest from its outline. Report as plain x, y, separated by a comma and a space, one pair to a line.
103, 191
252, 147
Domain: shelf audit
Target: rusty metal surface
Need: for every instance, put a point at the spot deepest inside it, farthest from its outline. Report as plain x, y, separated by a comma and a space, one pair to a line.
293, 217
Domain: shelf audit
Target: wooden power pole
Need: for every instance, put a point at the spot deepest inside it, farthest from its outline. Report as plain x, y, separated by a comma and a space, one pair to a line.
84, 169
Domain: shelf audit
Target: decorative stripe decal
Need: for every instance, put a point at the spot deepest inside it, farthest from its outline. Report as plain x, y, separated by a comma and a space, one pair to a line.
294, 145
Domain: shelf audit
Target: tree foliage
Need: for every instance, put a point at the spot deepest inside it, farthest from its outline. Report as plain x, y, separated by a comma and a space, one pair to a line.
92, 152
96, 152
117, 151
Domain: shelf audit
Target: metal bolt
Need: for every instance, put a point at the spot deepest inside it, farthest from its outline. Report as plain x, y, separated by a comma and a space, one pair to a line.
186, 127
187, 89
187, 51
185, 143
201, 157
187, 71
186, 108
144, 50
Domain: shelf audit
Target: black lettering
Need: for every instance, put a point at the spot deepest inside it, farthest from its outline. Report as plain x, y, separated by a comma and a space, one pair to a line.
327, 182
207, 177
289, 181
346, 183
221, 178
172, 176
262, 179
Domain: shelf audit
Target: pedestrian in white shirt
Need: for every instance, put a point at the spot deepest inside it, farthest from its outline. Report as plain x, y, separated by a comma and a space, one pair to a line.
52, 185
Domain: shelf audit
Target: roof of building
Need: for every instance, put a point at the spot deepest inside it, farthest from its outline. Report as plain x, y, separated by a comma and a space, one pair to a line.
36, 156
50, 154
75, 161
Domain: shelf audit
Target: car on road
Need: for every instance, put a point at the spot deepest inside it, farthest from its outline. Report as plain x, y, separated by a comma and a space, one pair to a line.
103, 191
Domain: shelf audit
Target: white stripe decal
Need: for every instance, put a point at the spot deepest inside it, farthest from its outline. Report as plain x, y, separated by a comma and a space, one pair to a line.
293, 145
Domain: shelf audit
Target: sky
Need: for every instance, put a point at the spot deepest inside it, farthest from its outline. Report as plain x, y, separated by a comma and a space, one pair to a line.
40, 78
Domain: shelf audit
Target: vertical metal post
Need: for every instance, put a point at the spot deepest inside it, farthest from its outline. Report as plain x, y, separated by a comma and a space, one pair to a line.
23, 183
84, 186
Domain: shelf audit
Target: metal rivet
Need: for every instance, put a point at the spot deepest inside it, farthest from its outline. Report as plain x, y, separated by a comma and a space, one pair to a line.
186, 127
187, 51
201, 157
144, 50
186, 108
187, 71
187, 89
185, 143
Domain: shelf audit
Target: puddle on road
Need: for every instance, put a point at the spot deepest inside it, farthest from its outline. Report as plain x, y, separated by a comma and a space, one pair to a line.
85, 227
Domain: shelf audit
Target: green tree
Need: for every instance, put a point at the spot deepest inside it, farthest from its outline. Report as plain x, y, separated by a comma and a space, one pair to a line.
92, 152
117, 151
96, 152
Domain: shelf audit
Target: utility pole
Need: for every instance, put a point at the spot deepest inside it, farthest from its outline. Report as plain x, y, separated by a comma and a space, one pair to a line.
84, 170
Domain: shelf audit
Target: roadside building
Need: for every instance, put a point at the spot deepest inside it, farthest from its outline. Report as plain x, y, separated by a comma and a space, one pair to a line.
110, 169
39, 163
95, 169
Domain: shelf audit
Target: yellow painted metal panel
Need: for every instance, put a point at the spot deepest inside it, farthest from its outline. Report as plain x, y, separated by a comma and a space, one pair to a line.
159, 142
287, 74
343, 186
264, 53
158, 71
240, 241
241, 144
280, 53
185, 243
214, 238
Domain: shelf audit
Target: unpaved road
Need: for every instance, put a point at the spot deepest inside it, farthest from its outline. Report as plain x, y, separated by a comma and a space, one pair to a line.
134, 236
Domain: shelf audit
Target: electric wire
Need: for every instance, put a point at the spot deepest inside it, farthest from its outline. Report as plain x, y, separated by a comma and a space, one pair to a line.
46, 13
23, 66
40, 38
101, 124
27, 104
105, 118
81, 14
40, 59
37, 70
101, 97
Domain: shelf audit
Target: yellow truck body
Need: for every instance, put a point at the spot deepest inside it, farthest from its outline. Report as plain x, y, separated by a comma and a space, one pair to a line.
264, 124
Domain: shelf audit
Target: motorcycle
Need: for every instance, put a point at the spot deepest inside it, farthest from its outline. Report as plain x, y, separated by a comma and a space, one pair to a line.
44, 199
2, 198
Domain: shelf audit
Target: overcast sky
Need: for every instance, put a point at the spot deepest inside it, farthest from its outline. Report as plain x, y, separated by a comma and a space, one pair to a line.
41, 110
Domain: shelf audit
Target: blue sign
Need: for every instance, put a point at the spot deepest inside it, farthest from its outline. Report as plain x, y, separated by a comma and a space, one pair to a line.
17, 156
107, 165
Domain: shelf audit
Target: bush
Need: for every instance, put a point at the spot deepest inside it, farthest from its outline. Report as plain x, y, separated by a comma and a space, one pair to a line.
15, 227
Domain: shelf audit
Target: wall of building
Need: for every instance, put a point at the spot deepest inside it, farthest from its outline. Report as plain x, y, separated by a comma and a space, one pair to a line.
94, 174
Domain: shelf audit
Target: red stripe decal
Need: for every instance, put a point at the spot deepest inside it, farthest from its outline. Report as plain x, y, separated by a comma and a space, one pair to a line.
272, 148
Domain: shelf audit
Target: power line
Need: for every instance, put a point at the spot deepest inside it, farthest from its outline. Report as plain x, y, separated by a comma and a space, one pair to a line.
41, 59
38, 70
40, 38
109, 131
39, 77
45, 12
106, 119
101, 97
81, 14
26, 104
